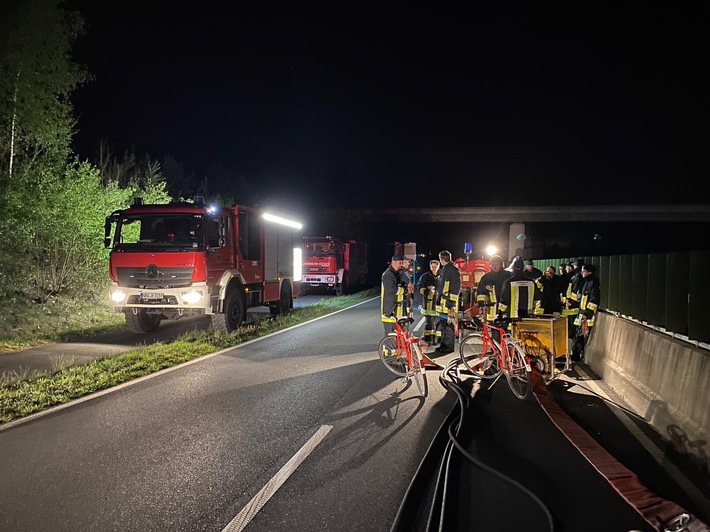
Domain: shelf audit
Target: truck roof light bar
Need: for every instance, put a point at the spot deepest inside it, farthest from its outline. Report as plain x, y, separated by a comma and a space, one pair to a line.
282, 221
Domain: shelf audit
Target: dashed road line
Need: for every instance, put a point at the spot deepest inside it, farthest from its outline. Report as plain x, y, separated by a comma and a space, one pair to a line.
247, 513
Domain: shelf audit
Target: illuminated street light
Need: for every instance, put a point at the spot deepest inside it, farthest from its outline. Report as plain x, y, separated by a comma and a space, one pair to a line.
491, 250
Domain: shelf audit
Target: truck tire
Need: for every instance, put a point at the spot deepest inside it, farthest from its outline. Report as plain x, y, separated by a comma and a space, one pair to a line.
234, 311
285, 302
142, 323
342, 288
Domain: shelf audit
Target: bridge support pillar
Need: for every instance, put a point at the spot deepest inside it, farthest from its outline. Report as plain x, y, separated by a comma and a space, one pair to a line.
516, 241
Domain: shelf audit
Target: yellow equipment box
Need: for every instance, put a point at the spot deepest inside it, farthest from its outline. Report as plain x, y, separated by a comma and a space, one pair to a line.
545, 340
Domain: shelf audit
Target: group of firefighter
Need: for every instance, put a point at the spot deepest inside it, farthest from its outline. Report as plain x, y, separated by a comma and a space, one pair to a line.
519, 291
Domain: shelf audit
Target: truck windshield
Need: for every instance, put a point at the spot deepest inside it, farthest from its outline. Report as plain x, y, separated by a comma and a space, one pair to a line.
160, 231
319, 250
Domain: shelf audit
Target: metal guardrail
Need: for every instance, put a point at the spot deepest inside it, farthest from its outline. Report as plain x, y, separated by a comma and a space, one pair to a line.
670, 291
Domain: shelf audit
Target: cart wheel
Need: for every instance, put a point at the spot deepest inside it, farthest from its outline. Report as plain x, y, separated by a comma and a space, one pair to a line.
540, 364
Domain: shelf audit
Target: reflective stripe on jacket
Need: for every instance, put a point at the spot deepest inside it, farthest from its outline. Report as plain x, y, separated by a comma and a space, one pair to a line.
449, 288
427, 288
520, 297
391, 297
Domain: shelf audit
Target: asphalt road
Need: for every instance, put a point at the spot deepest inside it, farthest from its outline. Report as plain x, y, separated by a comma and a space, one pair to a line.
201, 447
189, 448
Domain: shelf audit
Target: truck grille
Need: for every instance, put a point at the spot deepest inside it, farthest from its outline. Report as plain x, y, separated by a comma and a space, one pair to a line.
154, 277
317, 269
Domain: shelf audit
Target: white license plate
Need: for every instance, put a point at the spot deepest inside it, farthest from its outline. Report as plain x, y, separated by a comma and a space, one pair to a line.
152, 295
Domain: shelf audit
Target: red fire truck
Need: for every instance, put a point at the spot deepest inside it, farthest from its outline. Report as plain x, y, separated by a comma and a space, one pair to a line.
471, 272
332, 264
183, 259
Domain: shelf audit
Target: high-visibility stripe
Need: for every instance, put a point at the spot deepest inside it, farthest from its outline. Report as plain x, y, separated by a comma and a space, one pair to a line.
520, 291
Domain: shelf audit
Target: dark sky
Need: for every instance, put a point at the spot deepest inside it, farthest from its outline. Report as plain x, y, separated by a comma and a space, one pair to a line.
395, 104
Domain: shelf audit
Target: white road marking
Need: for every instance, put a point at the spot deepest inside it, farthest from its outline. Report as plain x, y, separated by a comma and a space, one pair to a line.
243, 518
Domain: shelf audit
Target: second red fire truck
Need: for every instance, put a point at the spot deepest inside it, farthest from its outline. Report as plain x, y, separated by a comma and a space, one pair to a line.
334, 265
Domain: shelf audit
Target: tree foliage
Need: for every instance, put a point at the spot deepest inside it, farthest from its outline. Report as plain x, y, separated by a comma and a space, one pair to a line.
52, 206
37, 77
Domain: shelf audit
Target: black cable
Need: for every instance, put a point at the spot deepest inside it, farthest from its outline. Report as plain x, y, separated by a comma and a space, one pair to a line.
402, 511
472, 459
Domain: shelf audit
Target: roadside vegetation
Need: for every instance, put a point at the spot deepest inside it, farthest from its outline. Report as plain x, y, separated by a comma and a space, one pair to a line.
53, 263
25, 394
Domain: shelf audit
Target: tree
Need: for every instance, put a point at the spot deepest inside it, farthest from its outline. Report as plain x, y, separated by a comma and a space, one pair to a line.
37, 77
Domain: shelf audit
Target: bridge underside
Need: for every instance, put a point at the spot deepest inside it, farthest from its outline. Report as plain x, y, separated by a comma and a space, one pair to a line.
534, 214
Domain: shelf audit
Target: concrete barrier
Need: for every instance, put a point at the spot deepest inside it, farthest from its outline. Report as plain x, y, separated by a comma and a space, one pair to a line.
663, 379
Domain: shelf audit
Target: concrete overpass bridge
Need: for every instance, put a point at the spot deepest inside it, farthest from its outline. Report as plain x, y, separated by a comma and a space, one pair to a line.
531, 214
518, 216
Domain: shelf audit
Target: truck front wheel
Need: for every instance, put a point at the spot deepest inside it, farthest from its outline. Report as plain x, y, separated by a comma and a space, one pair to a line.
142, 323
285, 302
233, 315
341, 288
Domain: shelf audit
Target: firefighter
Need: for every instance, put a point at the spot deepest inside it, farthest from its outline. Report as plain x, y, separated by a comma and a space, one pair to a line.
520, 296
589, 297
571, 300
406, 282
392, 295
531, 271
489, 288
427, 288
448, 289
553, 288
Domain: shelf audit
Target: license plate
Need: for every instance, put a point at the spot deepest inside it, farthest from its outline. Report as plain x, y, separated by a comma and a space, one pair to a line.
151, 295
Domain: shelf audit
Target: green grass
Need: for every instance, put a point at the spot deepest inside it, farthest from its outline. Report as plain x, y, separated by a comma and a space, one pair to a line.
27, 393
25, 323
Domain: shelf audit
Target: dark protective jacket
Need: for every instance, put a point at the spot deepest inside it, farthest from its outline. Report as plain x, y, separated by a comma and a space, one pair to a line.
392, 296
589, 298
553, 292
404, 281
448, 289
534, 273
571, 303
520, 296
489, 289
576, 281
427, 288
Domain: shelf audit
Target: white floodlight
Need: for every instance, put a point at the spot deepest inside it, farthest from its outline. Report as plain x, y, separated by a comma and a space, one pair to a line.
491, 250
297, 264
282, 221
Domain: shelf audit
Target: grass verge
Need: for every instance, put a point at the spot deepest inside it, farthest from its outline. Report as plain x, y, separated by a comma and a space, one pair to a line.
22, 395
25, 323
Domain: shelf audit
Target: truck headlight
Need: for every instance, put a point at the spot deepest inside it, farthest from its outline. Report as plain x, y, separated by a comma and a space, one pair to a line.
191, 297
118, 296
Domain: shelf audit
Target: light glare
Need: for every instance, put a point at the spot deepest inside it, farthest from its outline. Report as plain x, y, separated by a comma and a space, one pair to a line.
192, 297
117, 296
297, 264
282, 221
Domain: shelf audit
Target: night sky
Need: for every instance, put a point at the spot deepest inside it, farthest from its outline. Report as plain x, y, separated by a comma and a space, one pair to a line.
407, 105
